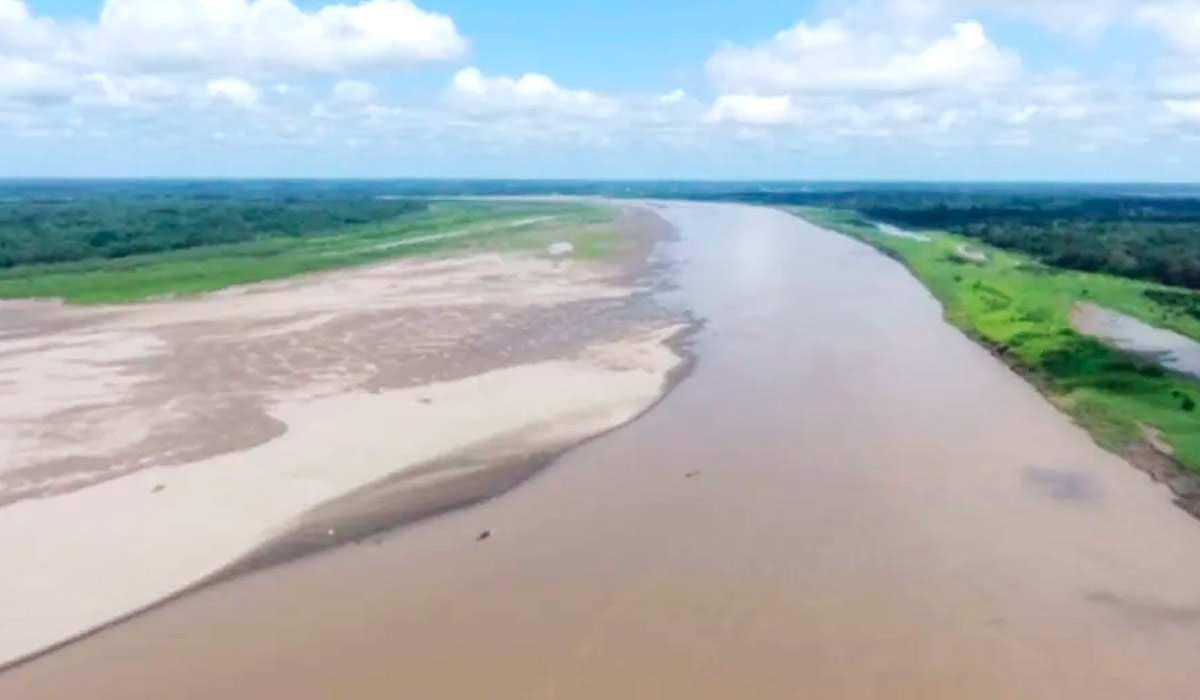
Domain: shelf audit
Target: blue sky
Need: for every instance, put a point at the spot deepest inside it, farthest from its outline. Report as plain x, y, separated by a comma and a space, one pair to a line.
838, 89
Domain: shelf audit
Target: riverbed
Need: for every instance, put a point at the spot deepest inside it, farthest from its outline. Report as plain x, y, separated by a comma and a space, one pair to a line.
846, 499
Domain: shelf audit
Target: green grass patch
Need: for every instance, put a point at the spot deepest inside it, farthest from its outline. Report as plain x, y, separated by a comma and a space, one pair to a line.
1022, 309
447, 227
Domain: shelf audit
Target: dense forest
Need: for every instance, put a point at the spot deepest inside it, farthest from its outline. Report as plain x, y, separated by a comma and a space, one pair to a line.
1146, 232
51, 225
1147, 237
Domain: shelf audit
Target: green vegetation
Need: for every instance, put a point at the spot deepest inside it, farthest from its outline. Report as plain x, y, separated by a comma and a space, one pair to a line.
1022, 309
51, 230
1155, 238
430, 228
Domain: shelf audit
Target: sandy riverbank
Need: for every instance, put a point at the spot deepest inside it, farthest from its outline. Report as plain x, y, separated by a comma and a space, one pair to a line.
151, 446
847, 500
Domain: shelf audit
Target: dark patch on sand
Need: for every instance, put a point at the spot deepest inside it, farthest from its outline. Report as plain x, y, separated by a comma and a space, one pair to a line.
1145, 613
1062, 484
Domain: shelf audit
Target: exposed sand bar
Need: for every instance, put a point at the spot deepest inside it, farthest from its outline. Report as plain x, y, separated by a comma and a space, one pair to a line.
882, 510
145, 448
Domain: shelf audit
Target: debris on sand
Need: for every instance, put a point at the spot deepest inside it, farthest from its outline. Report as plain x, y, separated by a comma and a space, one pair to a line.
691, 475
483, 535
158, 488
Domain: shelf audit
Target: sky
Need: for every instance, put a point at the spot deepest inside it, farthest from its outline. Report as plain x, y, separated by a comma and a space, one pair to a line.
975, 90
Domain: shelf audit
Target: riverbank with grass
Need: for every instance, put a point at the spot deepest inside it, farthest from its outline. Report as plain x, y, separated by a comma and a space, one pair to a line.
461, 226
1023, 311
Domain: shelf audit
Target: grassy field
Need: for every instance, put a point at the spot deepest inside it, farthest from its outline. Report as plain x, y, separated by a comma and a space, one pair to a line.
456, 226
1022, 309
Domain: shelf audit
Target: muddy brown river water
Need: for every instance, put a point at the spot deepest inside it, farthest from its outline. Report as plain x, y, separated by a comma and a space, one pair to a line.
847, 499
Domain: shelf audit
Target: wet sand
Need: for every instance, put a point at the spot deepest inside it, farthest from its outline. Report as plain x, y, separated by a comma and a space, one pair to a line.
847, 499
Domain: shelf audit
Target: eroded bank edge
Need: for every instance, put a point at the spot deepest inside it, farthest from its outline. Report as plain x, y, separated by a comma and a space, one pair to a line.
1140, 454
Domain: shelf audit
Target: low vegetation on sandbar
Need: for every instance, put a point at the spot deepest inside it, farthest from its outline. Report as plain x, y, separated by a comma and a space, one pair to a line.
1022, 308
192, 254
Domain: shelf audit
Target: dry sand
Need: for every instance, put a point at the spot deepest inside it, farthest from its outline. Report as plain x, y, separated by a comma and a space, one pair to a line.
146, 448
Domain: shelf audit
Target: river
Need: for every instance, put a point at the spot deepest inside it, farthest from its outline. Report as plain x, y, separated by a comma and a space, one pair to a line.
847, 499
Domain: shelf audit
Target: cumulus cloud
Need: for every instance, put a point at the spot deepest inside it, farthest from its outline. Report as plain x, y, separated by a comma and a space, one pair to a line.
354, 91
271, 35
222, 37
20, 30
752, 110
1182, 111
949, 118
1177, 20
23, 80
878, 68
1178, 84
1080, 18
1085, 19
126, 91
921, 71
531, 93
673, 97
834, 56
923, 74
140, 54
233, 91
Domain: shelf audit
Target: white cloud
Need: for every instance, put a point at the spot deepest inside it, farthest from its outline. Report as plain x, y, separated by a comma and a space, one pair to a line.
673, 97
949, 118
233, 91
1084, 19
1177, 20
904, 110
1021, 115
926, 72
23, 80
269, 36
532, 92
20, 30
354, 91
1081, 18
1178, 83
923, 75
123, 91
752, 110
1182, 111
835, 56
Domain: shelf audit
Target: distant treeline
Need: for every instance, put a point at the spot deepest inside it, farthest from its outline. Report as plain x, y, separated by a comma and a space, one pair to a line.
1147, 232
53, 227
1151, 238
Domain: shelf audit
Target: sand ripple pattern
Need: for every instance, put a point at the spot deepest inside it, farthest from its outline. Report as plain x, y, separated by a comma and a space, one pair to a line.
104, 392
